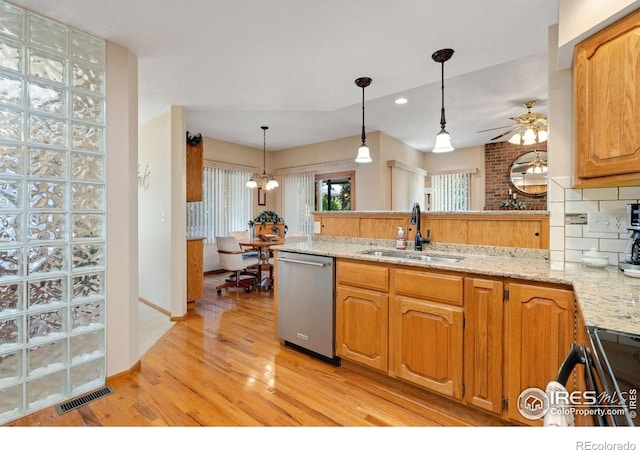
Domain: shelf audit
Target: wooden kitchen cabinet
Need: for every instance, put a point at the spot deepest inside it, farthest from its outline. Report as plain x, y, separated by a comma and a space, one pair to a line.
539, 335
525, 230
362, 313
340, 226
483, 343
425, 330
606, 92
194, 172
509, 233
385, 227
195, 270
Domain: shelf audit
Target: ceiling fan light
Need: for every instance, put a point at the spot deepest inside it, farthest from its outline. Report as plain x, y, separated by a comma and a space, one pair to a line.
363, 154
516, 139
529, 136
542, 135
443, 142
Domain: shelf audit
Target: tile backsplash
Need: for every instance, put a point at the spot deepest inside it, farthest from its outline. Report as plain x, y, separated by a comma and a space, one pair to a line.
568, 242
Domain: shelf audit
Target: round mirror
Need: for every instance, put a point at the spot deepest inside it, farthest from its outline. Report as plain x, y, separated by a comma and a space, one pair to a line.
529, 173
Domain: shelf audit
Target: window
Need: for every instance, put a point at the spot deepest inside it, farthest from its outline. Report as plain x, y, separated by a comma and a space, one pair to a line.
334, 191
226, 204
450, 192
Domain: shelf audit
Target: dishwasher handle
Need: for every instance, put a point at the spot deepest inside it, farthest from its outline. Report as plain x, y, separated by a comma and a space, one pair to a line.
308, 263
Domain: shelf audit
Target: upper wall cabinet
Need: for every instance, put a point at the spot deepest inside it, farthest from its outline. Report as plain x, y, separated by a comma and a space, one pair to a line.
606, 82
194, 169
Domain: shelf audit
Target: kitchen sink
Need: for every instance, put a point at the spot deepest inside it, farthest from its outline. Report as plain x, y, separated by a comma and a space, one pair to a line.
415, 256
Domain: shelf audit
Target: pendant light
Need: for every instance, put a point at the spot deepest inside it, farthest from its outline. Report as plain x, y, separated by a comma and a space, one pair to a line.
443, 139
266, 180
363, 150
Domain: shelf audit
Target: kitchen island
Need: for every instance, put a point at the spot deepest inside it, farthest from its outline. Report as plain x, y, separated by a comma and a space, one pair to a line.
476, 324
606, 297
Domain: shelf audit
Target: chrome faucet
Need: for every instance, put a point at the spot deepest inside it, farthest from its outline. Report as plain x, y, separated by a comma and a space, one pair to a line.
415, 220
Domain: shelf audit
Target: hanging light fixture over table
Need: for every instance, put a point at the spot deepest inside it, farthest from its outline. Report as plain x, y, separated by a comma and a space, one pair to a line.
443, 139
363, 150
264, 180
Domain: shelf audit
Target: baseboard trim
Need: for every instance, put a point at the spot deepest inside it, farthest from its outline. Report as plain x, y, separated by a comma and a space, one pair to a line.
135, 368
154, 306
215, 272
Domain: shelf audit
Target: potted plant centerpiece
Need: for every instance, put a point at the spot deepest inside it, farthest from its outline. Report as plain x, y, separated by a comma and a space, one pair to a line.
268, 224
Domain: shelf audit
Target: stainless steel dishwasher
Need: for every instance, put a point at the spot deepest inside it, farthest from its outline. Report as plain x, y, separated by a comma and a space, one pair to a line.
306, 303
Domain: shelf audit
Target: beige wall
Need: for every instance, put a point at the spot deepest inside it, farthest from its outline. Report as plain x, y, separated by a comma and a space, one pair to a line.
162, 211
122, 209
368, 190
461, 158
154, 210
402, 184
373, 180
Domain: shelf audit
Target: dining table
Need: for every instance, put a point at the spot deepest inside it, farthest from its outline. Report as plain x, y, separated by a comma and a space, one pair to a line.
263, 247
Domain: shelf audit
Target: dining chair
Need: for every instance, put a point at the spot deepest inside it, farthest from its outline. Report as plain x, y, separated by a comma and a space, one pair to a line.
232, 260
244, 236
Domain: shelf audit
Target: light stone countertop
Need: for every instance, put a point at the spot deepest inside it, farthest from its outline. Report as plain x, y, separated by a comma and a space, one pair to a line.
607, 298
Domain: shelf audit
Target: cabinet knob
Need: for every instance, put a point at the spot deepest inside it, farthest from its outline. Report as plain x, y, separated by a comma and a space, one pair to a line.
536, 233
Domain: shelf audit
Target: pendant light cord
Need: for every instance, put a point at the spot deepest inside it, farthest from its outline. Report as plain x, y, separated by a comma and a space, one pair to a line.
442, 120
364, 137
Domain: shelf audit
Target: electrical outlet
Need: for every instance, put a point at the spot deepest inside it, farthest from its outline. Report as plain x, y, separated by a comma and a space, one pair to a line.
606, 221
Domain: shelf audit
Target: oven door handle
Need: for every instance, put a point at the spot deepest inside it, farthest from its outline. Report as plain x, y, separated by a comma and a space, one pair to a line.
576, 356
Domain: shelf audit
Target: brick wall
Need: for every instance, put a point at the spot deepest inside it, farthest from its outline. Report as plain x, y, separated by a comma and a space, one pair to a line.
499, 157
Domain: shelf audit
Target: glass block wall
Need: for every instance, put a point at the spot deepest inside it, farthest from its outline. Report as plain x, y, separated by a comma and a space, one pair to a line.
52, 212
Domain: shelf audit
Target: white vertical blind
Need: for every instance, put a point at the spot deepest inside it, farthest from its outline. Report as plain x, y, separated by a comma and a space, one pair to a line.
226, 204
298, 199
451, 192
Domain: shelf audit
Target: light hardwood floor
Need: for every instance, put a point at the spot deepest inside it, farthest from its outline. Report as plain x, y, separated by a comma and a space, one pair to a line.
224, 366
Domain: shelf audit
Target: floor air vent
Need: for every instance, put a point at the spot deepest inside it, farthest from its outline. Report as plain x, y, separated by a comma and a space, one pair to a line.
84, 399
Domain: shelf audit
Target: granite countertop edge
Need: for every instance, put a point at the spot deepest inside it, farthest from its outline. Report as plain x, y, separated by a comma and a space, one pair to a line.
606, 297
501, 212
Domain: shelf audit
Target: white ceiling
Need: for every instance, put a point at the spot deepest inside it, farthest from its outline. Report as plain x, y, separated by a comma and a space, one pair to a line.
236, 65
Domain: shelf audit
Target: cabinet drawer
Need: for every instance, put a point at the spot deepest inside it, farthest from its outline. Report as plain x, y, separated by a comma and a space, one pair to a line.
429, 286
366, 276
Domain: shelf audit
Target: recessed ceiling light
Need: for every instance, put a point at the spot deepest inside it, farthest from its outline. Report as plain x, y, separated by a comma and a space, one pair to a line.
401, 101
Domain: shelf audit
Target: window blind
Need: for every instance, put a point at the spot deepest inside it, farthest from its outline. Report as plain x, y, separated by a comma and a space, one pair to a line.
226, 204
298, 198
451, 192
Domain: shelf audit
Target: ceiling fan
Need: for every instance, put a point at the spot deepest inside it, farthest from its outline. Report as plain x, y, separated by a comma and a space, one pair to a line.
530, 128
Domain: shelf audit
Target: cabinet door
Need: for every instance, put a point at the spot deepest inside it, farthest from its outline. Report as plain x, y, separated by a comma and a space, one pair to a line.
361, 326
509, 233
195, 270
426, 344
340, 226
194, 172
539, 336
483, 344
607, 105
